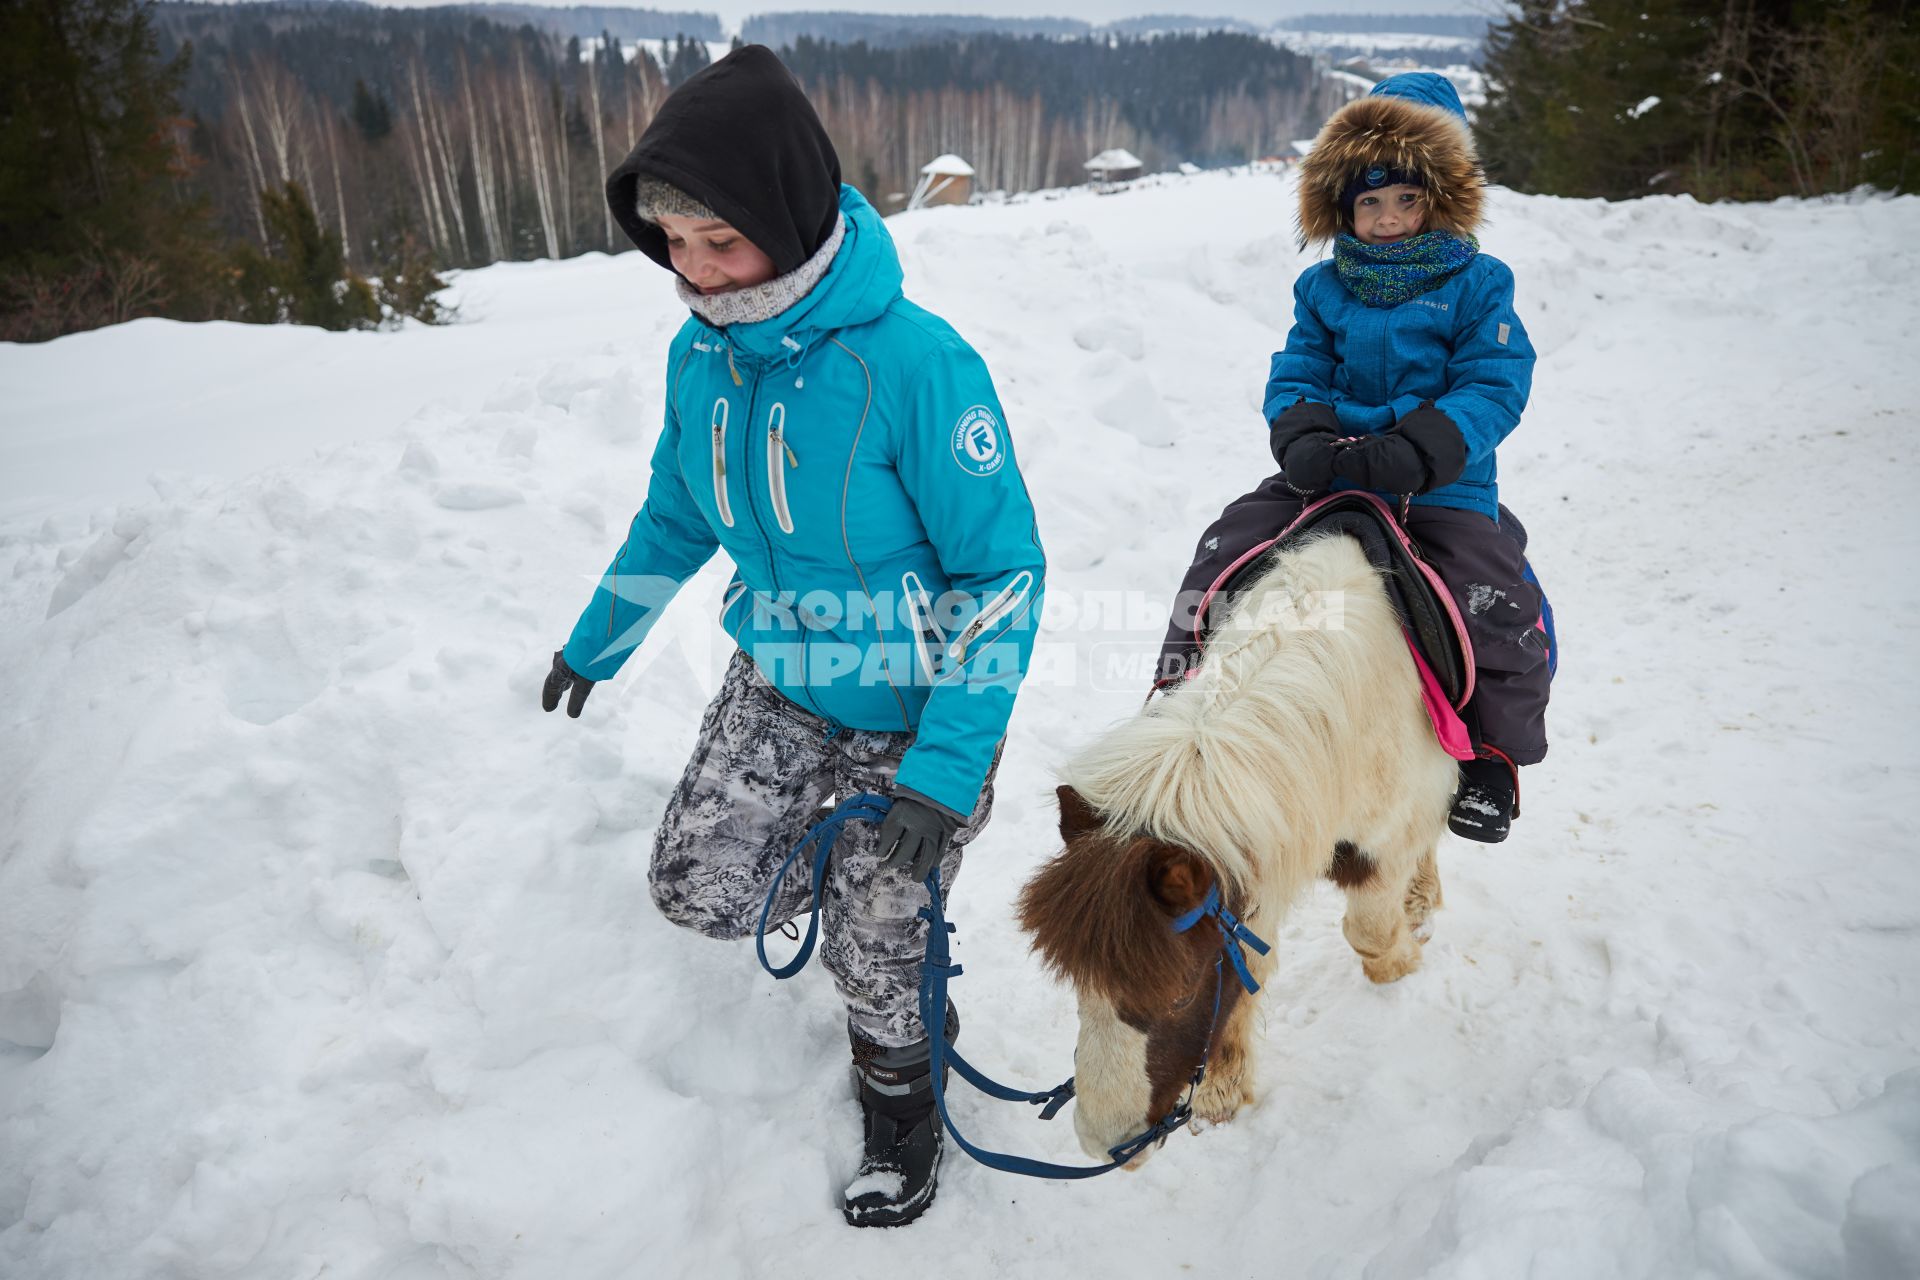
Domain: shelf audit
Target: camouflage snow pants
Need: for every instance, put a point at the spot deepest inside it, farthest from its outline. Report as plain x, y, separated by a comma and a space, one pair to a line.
761, 769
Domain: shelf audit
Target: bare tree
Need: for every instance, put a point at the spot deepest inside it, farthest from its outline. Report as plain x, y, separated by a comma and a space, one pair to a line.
600, 138
251, 157
535, 141
491, 198
329, 126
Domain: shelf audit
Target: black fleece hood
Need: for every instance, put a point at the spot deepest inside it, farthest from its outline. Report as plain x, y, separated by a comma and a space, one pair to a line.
741, 138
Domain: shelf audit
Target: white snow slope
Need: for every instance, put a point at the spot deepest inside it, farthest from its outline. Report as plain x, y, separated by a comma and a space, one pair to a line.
324, 953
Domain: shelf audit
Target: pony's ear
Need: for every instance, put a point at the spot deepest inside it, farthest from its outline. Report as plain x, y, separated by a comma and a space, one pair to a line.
1077, 817
1177, 879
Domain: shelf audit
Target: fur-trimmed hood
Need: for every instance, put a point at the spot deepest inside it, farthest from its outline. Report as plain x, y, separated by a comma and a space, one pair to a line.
1409, 122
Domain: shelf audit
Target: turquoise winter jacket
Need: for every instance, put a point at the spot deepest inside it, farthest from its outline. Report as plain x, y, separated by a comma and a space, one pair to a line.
851, 457
1460, 345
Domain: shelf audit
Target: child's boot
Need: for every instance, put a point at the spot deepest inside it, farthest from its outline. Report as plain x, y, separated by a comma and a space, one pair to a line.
901, 1164
1488, 800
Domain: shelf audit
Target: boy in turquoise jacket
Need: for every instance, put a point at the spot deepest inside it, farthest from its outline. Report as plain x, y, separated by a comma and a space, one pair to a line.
1406, 367
846, 449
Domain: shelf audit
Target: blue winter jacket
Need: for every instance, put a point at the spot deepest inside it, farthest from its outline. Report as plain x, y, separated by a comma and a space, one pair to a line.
1460, 345
851, 456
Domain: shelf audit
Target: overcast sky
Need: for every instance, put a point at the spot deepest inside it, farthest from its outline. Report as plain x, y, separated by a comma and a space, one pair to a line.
733, 11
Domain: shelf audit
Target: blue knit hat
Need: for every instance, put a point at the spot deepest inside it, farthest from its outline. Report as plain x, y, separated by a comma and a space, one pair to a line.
1426, 87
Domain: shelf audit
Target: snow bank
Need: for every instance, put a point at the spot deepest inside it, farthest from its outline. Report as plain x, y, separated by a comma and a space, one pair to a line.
323, 952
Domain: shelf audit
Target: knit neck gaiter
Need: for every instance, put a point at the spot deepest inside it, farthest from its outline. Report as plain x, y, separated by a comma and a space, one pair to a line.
764, 301
1386, 275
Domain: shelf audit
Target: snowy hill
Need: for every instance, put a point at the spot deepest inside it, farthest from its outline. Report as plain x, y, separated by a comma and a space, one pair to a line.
324, 953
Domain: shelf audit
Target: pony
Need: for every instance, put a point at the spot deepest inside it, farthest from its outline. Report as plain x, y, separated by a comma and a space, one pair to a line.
1299, 749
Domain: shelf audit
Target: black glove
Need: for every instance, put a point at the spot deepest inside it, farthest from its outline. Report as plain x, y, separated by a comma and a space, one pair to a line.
1424, 451
559, 680
915, 835
1304, 440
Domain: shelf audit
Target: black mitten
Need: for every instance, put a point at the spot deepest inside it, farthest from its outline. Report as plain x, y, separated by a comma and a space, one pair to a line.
1438, 440
1422, 452
1304, 440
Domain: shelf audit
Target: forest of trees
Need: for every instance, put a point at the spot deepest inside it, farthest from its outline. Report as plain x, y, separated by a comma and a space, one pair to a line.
320, 162
892, 30
1738, 99
1027, 113
592, 20
490, 142
1467, 26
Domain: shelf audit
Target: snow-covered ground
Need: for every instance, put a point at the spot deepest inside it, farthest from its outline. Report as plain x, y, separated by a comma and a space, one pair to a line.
323, 952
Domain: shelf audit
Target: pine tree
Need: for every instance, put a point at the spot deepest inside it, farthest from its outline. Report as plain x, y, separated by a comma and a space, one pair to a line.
370, 113
1741, 98
99, 224
409, 286
688, 56
303, 278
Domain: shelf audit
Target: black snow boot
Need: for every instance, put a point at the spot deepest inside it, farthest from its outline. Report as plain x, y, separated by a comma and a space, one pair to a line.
1488, 800
903, 1136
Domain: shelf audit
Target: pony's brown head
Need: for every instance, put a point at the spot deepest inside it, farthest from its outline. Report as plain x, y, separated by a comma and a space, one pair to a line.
1101, 914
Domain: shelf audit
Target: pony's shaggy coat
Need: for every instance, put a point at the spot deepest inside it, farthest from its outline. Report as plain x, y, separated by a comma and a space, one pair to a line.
1395, 134
1296, 751
1289, 740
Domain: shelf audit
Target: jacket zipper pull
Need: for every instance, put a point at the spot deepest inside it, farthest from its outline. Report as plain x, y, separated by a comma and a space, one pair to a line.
730, 369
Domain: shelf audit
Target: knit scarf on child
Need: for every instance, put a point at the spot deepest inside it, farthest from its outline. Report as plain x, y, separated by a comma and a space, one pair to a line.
1386, 275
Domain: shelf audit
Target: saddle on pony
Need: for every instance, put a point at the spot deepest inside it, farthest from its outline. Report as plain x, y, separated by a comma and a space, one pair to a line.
1436, 634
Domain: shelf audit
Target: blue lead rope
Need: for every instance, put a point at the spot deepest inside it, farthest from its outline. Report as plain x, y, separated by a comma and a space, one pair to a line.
938, 969
821, 836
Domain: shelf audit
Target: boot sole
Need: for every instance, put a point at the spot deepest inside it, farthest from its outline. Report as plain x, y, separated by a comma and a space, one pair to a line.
1479, 835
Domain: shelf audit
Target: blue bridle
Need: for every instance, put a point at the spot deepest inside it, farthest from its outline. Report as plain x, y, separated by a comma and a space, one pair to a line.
938, 969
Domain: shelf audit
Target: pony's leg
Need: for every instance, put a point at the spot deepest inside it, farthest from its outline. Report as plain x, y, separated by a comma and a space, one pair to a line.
1424, 896
1229, 1082
1376, 925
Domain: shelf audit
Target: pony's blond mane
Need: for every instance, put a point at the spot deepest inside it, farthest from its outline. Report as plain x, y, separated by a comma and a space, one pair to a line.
1305, 694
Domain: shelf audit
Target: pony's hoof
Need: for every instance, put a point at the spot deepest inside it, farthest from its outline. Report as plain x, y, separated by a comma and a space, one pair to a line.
1218, 1101
1393, 966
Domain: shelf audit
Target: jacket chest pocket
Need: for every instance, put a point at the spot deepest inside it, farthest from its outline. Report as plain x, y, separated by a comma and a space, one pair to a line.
800, 453
765, 448
751, 460
722, 502
780, 457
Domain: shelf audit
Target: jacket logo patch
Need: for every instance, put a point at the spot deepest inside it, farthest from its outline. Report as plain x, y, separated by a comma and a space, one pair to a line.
1505, 329
977, 443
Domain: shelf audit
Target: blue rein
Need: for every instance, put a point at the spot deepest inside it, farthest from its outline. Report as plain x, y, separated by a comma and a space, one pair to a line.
938, 969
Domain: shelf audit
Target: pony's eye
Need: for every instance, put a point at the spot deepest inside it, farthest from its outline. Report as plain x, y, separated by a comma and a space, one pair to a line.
1182, 1002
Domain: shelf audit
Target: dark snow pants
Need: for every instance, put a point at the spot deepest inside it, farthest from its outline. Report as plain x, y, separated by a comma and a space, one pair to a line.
1481, 561
760, 770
